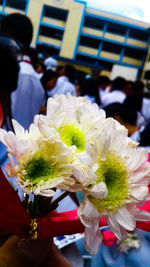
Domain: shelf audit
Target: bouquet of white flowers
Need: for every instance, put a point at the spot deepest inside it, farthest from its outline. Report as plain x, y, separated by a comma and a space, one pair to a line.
75, 148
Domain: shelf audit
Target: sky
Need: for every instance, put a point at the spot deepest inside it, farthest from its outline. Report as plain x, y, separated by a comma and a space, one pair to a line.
136, 9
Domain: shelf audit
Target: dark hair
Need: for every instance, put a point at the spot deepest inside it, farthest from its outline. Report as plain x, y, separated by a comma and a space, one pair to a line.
134, 101
9, 69
33, 54
48, 75
127, 115
144, 136
103, 80
118, 83
70, 72
18, 26
90, 88
138, 87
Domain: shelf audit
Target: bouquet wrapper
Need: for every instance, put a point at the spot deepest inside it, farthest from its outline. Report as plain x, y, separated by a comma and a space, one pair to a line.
15, 220
13, 217
57, 224
145, 225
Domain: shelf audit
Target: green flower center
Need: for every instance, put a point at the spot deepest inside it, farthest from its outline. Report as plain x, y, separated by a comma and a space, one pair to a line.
72, 135
113, 173
39, 169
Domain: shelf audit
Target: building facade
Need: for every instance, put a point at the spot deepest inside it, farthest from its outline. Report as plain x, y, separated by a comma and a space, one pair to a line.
83, 35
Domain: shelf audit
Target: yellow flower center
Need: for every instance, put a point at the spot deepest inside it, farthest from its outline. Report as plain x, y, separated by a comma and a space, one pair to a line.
39, 169
72, 135
113, 173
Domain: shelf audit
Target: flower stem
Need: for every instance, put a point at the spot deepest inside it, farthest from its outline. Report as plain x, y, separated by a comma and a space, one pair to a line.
43, 205
57, 200
26, 199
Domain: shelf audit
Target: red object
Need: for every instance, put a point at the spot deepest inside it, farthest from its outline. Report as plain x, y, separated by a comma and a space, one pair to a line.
15, 220
57, 224
148, 157
27, 61
13, 217
144, 225
108, 238
1, 115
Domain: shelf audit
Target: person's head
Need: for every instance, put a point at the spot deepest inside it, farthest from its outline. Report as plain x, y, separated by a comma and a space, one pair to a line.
133, 101
138, 87
78, 87
69, 71
33, 54
10, 55
18, 26
48, 80
145, 134
40, 67
128, 88
90, 88
126, 116
103, 82
60, 70
119, 83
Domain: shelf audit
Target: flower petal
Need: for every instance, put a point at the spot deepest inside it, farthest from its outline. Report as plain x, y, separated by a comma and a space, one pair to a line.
93, 238
139, 192
98, 190
142, 215
114, 226
84, 158
87, 213
19, 130
125, 219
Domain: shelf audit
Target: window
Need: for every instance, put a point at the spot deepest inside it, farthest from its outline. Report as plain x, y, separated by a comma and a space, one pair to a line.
47, 49
105, 65
138, 34
55, 13
51, 32
85, 59
89, 42
93, 22
112, 48
18, 4
116, 29
134, 53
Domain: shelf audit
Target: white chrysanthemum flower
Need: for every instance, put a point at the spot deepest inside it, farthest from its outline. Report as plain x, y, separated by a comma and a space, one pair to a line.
125, 172
74, 121
40, 164
21, 141
46, 168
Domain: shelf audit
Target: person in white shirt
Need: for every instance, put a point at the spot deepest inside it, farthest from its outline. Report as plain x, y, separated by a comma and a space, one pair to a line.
28, 98
50, 63
138, 102
118, 92
126, 116
103, 84
65, 83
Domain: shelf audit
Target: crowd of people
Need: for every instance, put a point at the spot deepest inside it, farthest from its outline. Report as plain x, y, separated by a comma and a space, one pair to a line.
27, 81
42, 77
126, 101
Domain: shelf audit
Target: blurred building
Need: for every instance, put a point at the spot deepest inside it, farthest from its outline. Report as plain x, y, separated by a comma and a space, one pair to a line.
83, 35
146, 68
